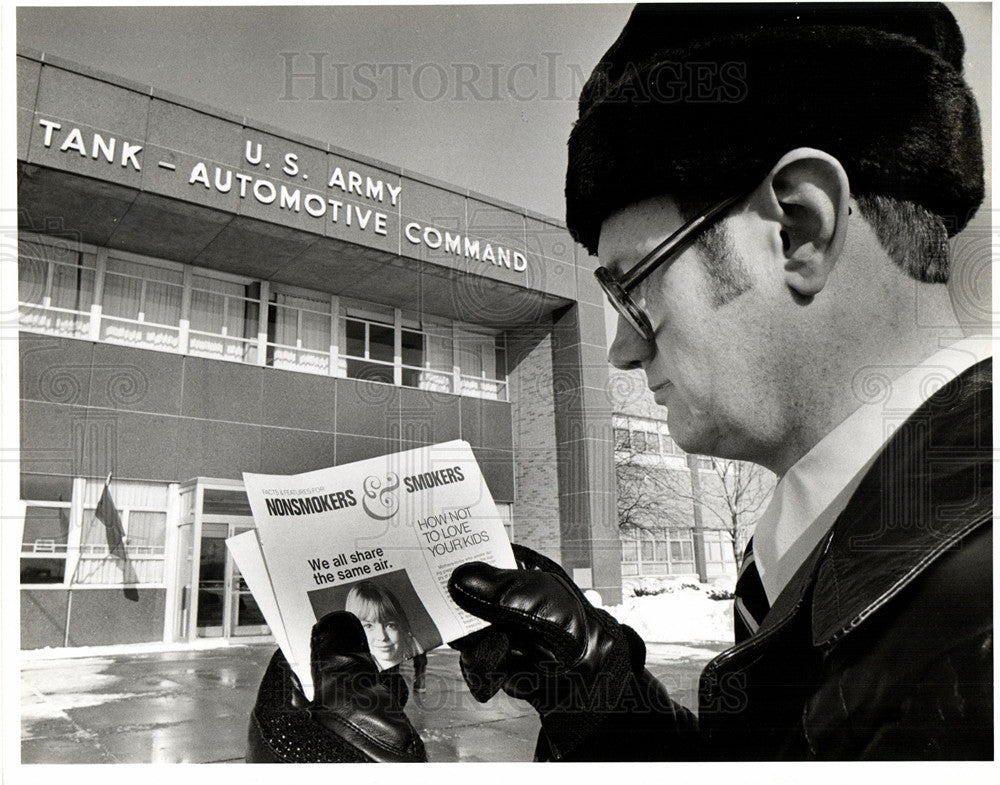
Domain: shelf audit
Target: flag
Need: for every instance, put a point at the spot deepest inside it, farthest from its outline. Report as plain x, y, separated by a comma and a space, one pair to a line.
107, 514
113, 530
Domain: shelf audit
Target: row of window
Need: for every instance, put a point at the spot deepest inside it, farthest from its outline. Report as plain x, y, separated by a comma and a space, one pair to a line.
651, 552
111, 296
648, 437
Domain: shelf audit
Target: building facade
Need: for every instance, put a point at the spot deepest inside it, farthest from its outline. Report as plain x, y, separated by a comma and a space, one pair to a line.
678, 514
201, 295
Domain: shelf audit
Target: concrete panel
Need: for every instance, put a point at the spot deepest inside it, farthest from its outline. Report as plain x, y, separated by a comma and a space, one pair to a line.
28, 72
131, 444
585, 356
428, 417
548, 241
166, 228
362, 197
486, 423
588, 290
254, 248
498, 225
300, 175
43, 618
329, 266
184, 138
298, 400
52, 437
430, 206
45, 487
367, 409
102, 616
203, 381
50, 201
216, 449
481, 300
359, 448
390, 284
497, 425
286, 451
55, 370
91, 107
498, 471
131, 379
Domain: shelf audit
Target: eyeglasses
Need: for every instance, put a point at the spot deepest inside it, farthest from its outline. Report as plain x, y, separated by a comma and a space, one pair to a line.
617, 289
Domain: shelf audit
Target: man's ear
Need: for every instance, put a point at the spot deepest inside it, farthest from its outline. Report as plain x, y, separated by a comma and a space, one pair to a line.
808, 193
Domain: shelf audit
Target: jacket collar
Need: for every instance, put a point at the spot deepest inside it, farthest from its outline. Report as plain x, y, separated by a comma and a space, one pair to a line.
927, 489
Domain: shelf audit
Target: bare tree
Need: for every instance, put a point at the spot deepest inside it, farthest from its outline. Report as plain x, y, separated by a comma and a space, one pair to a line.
652, 494
737, 498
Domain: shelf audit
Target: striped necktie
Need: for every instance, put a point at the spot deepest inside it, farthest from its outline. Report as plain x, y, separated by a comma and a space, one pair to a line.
751, 604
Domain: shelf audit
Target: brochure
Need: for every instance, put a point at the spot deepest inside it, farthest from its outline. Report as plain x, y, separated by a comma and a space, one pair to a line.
379, 538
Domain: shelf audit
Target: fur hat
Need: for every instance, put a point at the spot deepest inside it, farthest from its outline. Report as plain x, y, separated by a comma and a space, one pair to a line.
700, 101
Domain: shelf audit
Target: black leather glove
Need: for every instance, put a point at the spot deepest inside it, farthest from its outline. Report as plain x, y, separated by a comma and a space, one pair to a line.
357, 713
580, 669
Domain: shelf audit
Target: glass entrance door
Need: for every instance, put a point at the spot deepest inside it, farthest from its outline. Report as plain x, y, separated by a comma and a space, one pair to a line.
226, 608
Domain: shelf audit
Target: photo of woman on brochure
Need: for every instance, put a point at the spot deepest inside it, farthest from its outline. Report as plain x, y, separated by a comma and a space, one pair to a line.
390, 639
395, 621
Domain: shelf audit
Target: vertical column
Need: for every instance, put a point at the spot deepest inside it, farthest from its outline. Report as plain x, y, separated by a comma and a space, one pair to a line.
456, 368
397, 347
591, 548
334, 335
184, 333
171, 602
101, 266
265, 298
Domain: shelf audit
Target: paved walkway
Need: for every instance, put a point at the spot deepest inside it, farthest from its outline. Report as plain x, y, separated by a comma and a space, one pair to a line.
192, 706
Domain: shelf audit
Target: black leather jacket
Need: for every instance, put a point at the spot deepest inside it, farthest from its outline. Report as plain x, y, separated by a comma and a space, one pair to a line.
881, 646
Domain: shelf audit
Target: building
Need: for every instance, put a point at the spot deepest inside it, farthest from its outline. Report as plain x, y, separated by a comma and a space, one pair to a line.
679, 514
201, 295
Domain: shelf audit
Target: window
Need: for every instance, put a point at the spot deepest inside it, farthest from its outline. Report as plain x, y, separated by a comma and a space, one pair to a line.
718, 552
622, 439
145, 535
44, 542
141, 304
224, 318
639, 441
482, 363
650, 552
55, 287
370, 350
681, 551
427, 357
652, 442
299, 333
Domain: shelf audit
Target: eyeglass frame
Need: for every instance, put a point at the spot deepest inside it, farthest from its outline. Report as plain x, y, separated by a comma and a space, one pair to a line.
617, 289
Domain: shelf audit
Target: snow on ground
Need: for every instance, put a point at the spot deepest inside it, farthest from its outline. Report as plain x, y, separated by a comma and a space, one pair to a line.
683, 612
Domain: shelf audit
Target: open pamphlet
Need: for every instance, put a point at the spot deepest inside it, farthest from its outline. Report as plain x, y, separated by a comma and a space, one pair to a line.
378, 538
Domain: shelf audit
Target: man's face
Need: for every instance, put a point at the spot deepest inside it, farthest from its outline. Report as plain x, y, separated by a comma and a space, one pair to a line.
709, 363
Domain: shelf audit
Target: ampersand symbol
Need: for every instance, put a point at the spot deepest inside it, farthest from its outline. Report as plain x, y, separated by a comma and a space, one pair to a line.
381, 502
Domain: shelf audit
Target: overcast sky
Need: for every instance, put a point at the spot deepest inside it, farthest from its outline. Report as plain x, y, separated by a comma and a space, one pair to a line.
482, 97
479, 96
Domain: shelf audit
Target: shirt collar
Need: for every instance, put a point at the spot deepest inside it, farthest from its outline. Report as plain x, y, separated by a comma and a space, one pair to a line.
816, 489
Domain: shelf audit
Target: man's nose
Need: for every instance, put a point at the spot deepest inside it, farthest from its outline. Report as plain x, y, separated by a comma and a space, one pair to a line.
629, 350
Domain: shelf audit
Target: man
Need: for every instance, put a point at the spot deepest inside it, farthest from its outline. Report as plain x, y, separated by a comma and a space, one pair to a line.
775, 242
